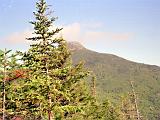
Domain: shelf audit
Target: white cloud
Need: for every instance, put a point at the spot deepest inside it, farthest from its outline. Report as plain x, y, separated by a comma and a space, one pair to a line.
85, 33
72, 32
18, 37
75, 32
107, 36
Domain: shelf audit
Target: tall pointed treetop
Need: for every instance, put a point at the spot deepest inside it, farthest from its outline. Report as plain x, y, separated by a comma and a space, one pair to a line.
43, 24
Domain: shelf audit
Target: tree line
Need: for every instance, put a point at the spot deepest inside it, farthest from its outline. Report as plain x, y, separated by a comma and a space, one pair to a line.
43, 84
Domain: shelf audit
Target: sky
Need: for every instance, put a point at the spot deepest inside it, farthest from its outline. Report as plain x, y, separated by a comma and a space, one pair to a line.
126, 28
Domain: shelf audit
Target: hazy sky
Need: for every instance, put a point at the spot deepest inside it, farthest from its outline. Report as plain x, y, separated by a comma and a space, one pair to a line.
127, 28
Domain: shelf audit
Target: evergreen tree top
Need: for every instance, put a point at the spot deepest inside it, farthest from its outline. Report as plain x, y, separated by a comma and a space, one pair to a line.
43, 24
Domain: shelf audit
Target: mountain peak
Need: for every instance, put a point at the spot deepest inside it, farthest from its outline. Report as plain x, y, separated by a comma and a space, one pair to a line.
74, 45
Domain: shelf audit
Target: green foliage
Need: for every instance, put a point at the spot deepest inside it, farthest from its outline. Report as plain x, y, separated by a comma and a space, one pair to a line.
54, 87
102, 111
113, 74
9, 77
46, 85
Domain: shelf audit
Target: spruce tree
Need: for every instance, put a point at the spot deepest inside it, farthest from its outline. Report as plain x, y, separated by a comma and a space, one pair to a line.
4, 65
53, 89
9, 69
93, 86
129, 105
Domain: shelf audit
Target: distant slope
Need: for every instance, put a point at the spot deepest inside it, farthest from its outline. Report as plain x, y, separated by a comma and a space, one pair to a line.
113, 76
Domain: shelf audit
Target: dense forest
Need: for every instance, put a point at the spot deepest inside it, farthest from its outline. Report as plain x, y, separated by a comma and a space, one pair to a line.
49, 82
114, 76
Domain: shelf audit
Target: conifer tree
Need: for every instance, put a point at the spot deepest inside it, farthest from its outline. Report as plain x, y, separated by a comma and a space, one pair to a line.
129, 105
93, 86
4, 65
137, 116
53, 89
8, 70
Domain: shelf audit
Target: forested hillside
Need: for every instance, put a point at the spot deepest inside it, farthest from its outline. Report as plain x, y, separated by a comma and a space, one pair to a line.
57, 80
114, 75
42, 83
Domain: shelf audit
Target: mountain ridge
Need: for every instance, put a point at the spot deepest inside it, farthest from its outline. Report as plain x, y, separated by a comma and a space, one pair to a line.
114, 75
76, 46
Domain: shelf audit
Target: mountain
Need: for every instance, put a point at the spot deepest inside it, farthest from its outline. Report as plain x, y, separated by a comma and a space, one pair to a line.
114, 75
